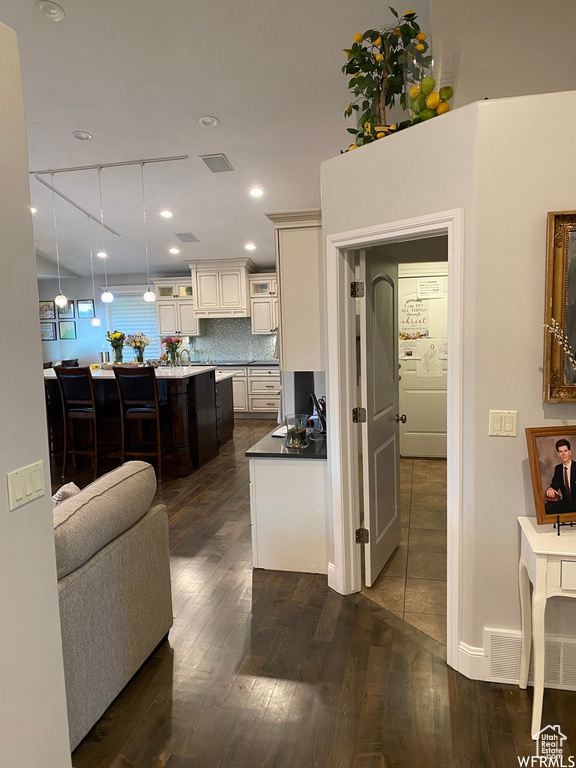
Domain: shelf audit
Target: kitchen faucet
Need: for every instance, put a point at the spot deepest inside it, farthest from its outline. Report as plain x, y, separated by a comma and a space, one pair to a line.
187, 353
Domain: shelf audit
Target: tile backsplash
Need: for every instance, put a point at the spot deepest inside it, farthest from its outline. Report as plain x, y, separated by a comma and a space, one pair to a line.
231, 340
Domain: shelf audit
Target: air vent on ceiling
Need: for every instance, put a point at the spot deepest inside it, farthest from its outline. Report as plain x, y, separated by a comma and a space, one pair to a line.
187, 237
217, 163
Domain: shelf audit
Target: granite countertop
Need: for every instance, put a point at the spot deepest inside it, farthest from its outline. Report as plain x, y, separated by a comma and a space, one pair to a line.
273, 448
243, 363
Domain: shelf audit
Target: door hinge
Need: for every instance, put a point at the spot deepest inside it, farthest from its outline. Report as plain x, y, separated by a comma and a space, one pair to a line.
357, 290
358, 415
362, 536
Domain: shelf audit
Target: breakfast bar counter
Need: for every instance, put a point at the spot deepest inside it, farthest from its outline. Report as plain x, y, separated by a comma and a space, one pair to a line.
191, 395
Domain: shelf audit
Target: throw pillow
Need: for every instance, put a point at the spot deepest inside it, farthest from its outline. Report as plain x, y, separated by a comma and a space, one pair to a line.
65, 492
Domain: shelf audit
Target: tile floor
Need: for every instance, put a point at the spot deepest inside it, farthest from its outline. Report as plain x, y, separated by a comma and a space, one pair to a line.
413, 582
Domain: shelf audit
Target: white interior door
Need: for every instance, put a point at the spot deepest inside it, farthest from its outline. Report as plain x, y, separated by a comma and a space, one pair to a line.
379, 394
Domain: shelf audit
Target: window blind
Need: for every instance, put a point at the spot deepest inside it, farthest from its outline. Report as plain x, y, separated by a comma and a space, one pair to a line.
131, 314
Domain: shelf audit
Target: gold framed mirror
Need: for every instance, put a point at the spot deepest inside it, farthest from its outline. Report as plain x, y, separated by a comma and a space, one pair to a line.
560, 313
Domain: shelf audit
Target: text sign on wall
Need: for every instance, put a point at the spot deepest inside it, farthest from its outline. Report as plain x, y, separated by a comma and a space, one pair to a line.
413, 320
430, 288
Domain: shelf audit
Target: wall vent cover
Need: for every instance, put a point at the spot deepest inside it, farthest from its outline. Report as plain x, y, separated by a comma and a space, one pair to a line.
217, 163
187, 237
504, 649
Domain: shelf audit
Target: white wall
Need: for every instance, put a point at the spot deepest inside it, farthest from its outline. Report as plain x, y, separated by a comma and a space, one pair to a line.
33, 721
487, 159
515, 48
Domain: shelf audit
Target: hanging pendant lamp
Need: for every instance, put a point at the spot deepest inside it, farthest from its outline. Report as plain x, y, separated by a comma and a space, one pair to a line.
107, 297
149, 295
59, 300
95, 320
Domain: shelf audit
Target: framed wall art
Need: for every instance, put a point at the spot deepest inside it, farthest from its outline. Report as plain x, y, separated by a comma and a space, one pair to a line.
47, 310
67, 329
85, 308
67, 311
48, 331
553, 472
560, 313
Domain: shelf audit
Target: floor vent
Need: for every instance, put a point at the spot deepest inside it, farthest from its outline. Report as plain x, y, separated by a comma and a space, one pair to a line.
504, 648
187, 237
217, 163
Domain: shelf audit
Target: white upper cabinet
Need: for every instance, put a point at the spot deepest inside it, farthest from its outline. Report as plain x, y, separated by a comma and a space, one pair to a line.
263, 303
176, 306
180, 288
222, 289
262, 284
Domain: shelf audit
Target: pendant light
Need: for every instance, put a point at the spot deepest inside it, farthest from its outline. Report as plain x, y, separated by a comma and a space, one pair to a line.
60, 300
107, 297
95, 320
148, 295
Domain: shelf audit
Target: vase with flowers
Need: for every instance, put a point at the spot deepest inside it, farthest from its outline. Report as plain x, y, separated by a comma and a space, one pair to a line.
138, 342
172, 344
116, 339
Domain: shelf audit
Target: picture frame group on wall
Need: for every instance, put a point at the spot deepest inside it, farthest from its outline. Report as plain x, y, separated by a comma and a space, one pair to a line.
553, 472
67, 329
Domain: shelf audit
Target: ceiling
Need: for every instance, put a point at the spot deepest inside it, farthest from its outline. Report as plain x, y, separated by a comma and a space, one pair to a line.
138, 75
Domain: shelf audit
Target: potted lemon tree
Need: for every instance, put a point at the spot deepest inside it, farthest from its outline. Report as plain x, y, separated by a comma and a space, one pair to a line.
377, 63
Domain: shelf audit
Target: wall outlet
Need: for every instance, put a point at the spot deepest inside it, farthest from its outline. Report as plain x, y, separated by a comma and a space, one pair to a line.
503, 423
25, 484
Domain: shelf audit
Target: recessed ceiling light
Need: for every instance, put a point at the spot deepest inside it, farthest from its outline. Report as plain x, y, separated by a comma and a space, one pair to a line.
82, 135
250, 247
49, 10
256, 192
32, 210
209, 122
102, 254
166, 214
174, 250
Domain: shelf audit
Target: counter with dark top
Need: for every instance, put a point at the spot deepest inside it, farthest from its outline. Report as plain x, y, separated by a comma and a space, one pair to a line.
273, 448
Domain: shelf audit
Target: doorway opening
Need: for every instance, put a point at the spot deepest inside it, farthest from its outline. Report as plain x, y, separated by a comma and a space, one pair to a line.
412, 582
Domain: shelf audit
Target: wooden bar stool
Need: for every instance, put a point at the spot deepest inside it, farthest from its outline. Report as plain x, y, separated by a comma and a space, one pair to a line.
78, 404
139, 403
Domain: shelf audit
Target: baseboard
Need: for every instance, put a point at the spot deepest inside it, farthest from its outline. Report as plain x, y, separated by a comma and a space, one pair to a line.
503, 648
333, 581
471, 661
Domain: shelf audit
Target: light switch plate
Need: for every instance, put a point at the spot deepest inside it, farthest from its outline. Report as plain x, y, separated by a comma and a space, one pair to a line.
25, 484
503, 423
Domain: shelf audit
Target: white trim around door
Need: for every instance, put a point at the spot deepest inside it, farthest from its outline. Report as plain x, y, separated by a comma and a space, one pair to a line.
344, 573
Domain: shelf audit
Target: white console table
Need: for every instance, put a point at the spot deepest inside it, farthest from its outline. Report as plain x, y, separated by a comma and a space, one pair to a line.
549, 562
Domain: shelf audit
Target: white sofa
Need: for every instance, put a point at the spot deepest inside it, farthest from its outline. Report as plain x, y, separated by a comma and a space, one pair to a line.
114, 587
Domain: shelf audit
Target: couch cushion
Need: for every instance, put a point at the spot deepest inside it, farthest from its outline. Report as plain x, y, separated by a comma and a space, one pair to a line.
64, 492
86, 522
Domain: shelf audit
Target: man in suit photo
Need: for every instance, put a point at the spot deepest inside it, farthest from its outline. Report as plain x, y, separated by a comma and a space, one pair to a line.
560, 495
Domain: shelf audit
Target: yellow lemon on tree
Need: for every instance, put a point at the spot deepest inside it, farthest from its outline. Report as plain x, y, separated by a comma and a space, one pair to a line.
347, 51
392, 127
433, 100
377, 42
420, 36
352, 146
442, 108
358, 37
379, 57
355, 74
409, 13
420, 47
397, 33
380, 134
414, 91
428, 84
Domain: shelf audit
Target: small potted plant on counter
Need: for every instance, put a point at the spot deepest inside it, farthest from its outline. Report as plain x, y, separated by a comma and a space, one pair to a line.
138, 342
117, 339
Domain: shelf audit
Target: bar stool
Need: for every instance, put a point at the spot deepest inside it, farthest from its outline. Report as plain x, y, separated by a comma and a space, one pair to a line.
78, 404
138, 394
47, 364
73, 363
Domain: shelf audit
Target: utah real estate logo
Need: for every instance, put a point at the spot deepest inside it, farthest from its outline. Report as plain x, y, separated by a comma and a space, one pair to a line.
548, 750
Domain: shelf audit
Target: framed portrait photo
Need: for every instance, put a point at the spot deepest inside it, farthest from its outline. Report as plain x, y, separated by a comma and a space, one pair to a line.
85, 308
67, 311
47, 310
48, 331
553, 472
67, 329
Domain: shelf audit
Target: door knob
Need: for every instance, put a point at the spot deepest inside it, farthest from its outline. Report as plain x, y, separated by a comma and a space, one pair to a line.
401, 418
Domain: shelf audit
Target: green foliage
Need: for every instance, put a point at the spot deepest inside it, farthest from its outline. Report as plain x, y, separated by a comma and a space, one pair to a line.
376, 66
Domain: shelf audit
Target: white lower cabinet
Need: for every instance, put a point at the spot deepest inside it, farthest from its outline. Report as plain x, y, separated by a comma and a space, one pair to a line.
240, 394
289, 529
256, 389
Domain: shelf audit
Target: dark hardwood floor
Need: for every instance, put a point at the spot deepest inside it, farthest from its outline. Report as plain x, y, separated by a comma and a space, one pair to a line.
264, 668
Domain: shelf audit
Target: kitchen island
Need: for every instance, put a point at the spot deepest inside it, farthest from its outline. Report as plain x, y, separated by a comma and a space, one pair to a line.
191, 396
288, 505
